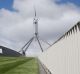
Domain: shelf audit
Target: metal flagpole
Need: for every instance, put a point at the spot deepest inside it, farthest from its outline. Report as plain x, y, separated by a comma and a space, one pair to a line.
26, 46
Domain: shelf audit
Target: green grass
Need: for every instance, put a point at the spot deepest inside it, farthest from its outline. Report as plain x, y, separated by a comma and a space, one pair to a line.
18, 65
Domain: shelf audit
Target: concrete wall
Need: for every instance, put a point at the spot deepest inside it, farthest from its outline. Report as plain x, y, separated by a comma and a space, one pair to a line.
63, 57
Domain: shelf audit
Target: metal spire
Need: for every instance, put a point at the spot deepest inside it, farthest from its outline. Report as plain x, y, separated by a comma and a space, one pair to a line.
36, 22
35, 12
26, 46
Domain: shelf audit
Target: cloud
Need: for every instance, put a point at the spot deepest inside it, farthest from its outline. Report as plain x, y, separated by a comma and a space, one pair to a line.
54, 20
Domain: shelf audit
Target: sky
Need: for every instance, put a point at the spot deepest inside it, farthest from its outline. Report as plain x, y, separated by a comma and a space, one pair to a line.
76, 2
16, 21
7, 4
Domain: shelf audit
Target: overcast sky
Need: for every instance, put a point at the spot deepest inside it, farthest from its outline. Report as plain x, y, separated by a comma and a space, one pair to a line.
16, 20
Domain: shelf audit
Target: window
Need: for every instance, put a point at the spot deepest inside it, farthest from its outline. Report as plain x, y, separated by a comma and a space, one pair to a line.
0, 50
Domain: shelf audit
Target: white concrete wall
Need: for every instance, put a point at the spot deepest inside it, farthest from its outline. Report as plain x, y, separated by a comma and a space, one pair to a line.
64, 56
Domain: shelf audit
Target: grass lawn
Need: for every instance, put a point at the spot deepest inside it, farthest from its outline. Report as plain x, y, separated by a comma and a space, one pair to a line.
18, 65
